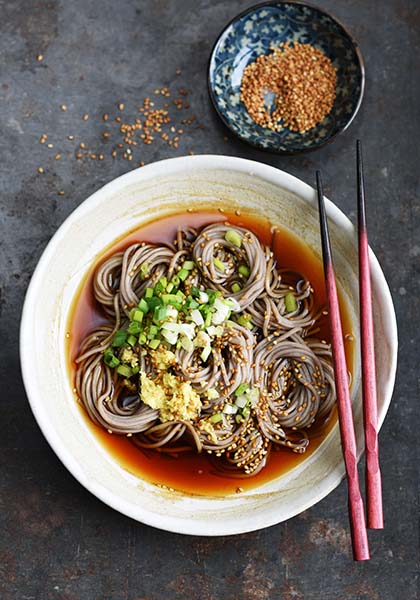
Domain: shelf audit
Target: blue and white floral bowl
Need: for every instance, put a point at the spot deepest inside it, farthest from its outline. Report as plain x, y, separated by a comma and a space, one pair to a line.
253, 33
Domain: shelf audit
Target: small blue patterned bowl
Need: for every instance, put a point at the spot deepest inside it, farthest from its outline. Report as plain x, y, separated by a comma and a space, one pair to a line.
251, 34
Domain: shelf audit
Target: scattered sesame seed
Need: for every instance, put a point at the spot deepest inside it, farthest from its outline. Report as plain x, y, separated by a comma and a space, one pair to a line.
63, 107
85, 117
40, 57
40, 170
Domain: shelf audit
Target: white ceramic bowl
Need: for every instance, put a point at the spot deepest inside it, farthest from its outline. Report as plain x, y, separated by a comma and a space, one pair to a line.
130, 200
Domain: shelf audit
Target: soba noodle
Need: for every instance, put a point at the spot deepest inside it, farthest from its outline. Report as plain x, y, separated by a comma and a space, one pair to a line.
240, 337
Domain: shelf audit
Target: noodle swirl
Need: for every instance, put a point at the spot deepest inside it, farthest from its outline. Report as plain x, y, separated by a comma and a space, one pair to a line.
209, 320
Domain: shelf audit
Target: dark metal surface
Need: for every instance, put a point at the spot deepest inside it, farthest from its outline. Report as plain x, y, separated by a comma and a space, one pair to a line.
56, 540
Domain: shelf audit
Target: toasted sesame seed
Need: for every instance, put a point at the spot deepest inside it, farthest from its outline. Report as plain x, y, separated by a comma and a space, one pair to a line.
40, 170
85, 117
302, 76
40, 57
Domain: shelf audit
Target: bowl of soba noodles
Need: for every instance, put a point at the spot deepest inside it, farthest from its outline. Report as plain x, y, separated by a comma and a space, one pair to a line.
175, 345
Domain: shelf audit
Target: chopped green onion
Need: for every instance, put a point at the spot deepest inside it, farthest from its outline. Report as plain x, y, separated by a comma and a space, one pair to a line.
241, 389
161, 285
160, 314
183, 274
205, 353
195, 291
171, 299
186, 343
236, 288
137, 315
143, 305
233, 237
219, 264
142, 338
242, 401
110, 359
208, 319
238, 418
215, 330
230, 409
197, 317
212, 294
124, 370
119, 338
244, 270
216, 418
148, 293
253, 396
132, 340
154, 344
191, 304
154, 302
290, 303
189, 265
244, 319
134, 328
135, 369
144, 270
153, 331
170, 287
246, 411
175, 280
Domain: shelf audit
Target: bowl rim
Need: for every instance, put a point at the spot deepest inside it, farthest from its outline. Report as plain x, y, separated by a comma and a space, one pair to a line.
172, 167
358, 52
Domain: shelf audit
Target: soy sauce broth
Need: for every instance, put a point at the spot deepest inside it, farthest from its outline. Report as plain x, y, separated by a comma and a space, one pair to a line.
188, 471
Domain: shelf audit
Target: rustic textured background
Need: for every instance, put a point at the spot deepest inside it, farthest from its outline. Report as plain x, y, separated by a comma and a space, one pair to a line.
56, 540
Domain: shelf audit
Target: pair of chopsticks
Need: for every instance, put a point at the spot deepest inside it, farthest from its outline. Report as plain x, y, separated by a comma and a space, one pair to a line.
348, 438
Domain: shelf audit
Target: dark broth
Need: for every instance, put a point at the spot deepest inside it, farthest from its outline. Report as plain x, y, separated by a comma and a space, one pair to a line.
191, 472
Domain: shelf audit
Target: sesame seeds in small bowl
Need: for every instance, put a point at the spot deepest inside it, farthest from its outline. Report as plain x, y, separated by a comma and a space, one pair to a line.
286, 77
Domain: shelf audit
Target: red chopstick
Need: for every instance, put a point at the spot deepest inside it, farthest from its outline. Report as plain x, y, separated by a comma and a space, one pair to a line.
375, 518
345, 416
